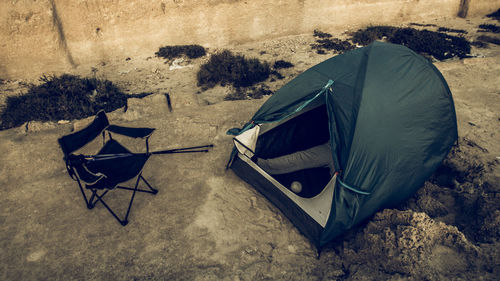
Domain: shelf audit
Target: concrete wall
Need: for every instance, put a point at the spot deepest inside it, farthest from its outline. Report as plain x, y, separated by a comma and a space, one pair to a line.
40, 36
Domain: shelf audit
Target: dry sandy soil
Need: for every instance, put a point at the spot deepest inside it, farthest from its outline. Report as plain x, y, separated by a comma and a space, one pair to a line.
207, 224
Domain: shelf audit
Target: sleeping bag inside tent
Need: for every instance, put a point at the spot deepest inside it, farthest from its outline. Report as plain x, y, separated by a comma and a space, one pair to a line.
389, 118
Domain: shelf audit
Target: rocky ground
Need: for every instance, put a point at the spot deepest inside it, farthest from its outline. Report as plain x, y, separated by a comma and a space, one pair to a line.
207, 224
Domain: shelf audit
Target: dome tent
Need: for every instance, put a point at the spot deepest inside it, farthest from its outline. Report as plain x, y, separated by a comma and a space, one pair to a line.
389, 117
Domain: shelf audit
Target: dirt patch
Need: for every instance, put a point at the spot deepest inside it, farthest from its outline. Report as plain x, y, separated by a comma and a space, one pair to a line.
461, 193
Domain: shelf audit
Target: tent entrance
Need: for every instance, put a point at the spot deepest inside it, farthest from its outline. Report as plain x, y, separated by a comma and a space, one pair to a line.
301, 132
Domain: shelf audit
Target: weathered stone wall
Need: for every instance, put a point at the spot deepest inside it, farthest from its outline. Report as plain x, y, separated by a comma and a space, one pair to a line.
39, 36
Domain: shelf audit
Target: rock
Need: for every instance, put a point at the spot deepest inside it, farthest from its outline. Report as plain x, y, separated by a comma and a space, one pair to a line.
139, 107
36, 126
180, 63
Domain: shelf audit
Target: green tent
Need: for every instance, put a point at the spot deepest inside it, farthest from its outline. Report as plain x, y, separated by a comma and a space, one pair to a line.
389, 116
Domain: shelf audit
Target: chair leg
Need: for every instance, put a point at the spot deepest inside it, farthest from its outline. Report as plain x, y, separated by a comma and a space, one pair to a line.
96, 198
99, 198
91, 203
152, 190
131, 199
88, 202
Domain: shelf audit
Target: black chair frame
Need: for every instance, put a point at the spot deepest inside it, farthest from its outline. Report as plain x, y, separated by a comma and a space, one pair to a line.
78, 166
96, 197
113, 164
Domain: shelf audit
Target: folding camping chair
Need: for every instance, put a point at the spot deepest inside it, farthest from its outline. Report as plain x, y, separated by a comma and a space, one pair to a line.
103, 174
113, 164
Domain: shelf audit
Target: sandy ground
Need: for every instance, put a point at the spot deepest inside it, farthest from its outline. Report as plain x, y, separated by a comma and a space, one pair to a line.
207, 224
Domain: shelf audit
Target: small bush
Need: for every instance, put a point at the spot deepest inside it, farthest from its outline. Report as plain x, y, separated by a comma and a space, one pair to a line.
422, 24
332, 44
479, 44
191, 51
276, 74
279, 64
489, 39
495, 15
62, 98
249, 93
321, 34
439, 45
226, 68
372, 33
325, 42
446, 29
489, 28
238, 94
260, 92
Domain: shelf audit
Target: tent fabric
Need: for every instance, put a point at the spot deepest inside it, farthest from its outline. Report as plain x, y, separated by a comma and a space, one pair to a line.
391, 122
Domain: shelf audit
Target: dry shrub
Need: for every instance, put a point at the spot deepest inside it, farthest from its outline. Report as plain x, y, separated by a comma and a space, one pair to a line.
479, 44
227, 68
320, 34
489, 39
439, 45
495, 15
249, 93
190, 51
446, 29
279, 64
325, 43
489, 28
62, 98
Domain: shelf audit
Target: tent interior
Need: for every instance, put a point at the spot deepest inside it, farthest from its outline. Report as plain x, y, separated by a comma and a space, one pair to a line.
307, 129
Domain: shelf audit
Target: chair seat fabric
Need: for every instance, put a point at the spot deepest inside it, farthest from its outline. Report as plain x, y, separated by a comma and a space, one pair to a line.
116, 170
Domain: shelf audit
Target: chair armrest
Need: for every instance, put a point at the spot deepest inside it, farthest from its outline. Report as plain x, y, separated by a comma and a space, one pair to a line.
130, 132
76, 163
